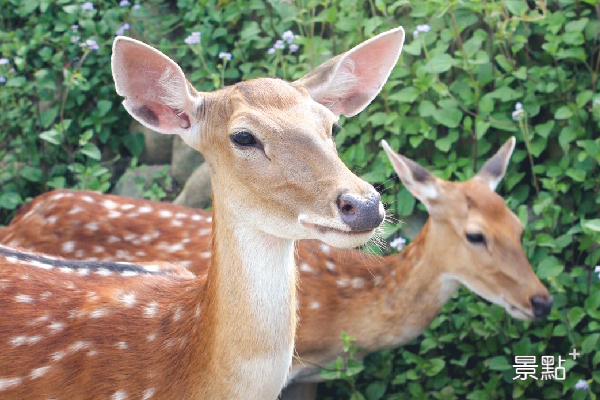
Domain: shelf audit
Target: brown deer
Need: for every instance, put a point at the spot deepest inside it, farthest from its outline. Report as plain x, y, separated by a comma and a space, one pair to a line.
88, 330
471, 238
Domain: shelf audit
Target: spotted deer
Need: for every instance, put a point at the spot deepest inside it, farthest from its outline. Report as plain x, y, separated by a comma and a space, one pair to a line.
471, 238
88, 330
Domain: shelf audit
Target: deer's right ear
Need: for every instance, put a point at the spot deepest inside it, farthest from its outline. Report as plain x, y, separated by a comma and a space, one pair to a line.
420, 182
346, 84
155, 89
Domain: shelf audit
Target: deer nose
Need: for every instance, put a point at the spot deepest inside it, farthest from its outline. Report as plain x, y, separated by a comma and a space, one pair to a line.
361, 213
541, 305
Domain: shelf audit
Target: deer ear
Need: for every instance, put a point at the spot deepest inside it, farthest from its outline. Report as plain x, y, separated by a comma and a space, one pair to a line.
494, 169
155, 89
420, 182
347, 83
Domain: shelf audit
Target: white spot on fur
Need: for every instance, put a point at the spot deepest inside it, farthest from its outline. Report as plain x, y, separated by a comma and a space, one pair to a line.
181, 215
378, 279
186, 264
330, 266
66, 270
130, 237
79, 345
57, 356
177, 314
129, 273
25, 340
205, 231
87, 199
152, 268
104, 272
111, 205
357, 283
39, 372
304, 267
119, 395
83, 271
314, 305
151, 309
39, 320
52, 220
92, 226
151, 337
122, 254
68, 247
148, 393
197, 312
76, 210
145, 209
98, 249
196, 217
127, 299
342, 282
209, 219
176, 222
165, 213
47, 294
98, 313
127, 206
23, 298
113, 239
56, 327
146, 238
112, 214
205, 254
122, 345
92, 353
6, 383
325, 249
140, 253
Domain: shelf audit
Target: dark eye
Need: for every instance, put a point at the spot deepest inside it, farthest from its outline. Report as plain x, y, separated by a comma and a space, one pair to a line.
335, 128
243, 138
476, 238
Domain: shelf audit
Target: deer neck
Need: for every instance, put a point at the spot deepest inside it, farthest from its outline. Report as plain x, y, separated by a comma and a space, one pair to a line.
253, 293
417, 288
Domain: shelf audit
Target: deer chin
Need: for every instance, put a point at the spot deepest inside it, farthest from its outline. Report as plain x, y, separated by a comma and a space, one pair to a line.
334, 232
517, 311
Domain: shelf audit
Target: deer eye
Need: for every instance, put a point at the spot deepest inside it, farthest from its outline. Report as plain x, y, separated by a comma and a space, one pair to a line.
243, 138
476, 238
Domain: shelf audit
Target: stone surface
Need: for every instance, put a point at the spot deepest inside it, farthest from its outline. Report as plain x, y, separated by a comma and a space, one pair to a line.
197, 190
184, 160
157, 146
137, 180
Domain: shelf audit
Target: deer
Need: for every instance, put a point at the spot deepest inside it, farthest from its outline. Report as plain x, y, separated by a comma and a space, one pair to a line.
77, 329
471, 238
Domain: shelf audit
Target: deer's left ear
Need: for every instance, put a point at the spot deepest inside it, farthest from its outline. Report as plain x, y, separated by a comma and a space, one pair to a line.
346, 84
420, 182
494, 169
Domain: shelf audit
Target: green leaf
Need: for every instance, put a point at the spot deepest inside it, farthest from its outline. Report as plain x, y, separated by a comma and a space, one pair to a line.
448, 116
92, 151
406, 95
440, 63
499, 363
517, 7
17, 81
357, 396
406, 202
563, 113
51, 136
32, 174
576, 314
592, 224
576, 26
481, 127
103, 107
589, 343
434, 366
444, 144
550, 267
376, 390
10, 200
426, 108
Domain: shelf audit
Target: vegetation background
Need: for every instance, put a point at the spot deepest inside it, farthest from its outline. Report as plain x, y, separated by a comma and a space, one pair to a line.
449, 104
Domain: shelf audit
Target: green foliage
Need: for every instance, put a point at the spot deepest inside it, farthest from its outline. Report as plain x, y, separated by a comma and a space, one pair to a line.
448, 105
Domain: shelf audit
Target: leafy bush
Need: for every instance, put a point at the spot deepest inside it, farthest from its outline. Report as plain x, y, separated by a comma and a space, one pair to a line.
449, 104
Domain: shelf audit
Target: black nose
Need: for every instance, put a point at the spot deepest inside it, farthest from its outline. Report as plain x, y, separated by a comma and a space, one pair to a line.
541, 305
360, 213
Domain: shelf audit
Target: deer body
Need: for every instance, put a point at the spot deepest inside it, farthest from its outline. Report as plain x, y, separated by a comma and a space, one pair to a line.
88, 330
382, 302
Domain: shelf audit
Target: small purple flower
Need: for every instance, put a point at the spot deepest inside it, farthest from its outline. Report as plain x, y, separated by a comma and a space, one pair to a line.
136, 7
91, 43
597, 270
2, 79
398, 243
288, 36
293, 48
423, 28
122, 29
271, 50
194, 38
225, 55
519, 113
3, 61
123, 3
279, 44
581, 385
75, 39
87, 6
74, 28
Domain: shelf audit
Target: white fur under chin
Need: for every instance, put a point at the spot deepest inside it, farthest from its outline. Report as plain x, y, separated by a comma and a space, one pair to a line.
269, 268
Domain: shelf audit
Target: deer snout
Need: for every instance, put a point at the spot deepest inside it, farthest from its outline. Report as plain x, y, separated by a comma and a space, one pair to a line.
541, 305
361, 213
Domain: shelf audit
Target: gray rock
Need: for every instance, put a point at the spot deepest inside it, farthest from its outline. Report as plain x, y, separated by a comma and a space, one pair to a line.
197, 191
137, 180
184, 160
157, 146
